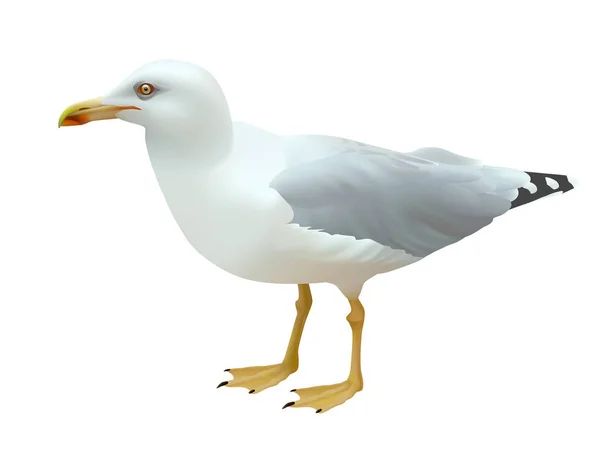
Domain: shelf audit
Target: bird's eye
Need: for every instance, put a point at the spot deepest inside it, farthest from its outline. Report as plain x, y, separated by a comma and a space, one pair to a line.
145, 89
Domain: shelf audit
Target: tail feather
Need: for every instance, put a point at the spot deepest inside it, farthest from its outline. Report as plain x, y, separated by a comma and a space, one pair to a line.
546, 184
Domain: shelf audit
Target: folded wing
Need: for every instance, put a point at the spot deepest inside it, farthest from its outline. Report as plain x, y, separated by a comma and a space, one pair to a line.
417, 202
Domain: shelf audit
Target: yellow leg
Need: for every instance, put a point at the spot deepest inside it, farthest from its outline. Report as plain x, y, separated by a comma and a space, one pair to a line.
326, 397
259, 378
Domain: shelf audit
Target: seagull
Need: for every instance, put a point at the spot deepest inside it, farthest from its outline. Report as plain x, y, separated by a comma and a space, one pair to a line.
302, 209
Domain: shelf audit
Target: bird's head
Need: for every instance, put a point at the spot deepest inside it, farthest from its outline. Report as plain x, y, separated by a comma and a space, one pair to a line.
163, 96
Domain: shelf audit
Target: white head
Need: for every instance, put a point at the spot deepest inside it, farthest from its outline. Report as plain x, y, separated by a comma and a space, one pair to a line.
178, 103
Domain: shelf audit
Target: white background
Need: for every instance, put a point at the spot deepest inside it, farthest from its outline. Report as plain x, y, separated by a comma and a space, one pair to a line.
114, 332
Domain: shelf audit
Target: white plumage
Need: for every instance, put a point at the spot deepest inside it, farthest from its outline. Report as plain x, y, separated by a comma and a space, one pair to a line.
302, 209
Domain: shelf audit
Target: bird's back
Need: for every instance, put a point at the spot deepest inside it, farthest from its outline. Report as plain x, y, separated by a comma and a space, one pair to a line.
415, 202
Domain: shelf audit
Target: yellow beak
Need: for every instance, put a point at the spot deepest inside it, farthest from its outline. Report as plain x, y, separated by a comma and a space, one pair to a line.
89, 111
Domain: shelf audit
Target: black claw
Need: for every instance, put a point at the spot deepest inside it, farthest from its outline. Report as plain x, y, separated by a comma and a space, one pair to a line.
320, 410
289, 404
222, 384
291, 391
251, 391
227, 370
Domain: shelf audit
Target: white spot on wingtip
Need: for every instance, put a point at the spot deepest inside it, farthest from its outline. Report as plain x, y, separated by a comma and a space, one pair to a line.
531, 187
552, 183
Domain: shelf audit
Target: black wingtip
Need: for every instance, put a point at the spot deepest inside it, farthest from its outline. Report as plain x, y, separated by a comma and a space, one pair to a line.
542, 188
222, 384
289, 404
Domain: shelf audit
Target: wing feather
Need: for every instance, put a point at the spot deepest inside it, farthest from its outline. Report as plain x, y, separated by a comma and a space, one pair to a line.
402, 200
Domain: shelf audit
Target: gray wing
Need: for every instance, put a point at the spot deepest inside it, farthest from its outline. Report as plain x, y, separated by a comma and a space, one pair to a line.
407, 201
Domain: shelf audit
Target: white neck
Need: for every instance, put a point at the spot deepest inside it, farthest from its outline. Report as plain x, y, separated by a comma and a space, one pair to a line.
184, 164
200, 146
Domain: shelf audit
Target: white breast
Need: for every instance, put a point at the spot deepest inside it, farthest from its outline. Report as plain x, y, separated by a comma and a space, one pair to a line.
234, 219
